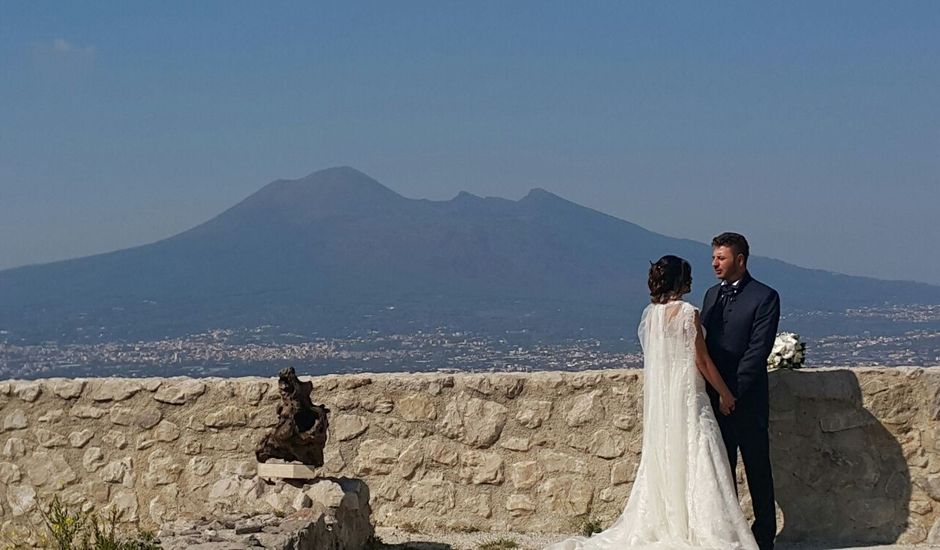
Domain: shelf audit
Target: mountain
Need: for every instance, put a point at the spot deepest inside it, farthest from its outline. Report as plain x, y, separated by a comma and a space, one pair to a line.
337, 253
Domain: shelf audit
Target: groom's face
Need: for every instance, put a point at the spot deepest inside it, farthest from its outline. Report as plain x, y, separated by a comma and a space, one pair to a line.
728, 266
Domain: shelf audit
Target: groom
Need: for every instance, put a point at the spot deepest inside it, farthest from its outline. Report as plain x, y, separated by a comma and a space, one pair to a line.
740, 316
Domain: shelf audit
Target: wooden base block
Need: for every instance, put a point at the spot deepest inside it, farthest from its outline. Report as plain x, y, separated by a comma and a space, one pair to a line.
288, 471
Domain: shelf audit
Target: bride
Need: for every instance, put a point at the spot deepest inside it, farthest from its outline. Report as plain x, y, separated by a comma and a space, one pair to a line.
684, 494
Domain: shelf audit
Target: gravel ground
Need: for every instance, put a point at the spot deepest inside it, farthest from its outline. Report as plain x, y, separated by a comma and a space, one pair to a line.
402, 540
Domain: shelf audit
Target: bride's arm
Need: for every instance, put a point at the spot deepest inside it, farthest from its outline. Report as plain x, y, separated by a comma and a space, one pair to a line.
706, 366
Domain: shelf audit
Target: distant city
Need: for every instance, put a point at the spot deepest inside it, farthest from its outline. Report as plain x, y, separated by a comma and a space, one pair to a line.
263, 350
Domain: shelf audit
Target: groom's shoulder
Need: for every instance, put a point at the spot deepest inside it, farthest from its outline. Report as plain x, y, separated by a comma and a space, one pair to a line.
761, 288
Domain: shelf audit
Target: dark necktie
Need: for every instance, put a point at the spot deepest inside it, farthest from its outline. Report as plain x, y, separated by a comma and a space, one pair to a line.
727, 292
725, 295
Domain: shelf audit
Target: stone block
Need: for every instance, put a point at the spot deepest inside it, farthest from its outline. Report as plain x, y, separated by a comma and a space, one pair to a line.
287, 471
473, 421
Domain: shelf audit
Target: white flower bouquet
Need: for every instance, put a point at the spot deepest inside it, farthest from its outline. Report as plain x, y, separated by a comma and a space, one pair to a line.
788, 352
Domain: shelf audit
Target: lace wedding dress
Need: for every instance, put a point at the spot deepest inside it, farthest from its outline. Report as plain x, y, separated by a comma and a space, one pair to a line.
683, 496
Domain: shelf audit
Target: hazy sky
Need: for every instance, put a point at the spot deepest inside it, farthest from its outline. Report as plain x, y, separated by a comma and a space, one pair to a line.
813, 127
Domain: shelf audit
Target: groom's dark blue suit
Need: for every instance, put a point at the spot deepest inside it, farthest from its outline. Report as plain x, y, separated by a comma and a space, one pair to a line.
740, 328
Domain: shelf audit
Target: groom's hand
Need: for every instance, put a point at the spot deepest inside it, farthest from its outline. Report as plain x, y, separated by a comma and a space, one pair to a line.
726, 404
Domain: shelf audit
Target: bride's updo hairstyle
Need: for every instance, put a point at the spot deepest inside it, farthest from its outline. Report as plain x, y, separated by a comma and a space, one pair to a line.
670, 278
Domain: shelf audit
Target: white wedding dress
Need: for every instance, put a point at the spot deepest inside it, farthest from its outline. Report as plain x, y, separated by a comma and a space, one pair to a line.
683, 496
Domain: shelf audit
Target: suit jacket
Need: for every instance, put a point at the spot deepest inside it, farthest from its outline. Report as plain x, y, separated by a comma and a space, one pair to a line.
739, 339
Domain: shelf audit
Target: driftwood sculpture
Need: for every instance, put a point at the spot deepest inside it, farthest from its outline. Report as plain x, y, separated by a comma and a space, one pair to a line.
300, 433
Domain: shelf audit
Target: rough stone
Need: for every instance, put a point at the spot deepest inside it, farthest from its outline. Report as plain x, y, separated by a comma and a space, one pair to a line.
845, 421
86, 411
162, 469
442, 453
119, 471
933, 537
327, 493
52, 417
353, 382
410, 460
933, 487
434, 495
625, 422
228, 417
115, 439
585, 409
14, 447
519, 505
199, 465
479, 468
521, 444
144, 418
253, 391
179, 393
872, 443
27, 391
124, 502
151, 384
376, 457
164, 507
473, 421
557, 462
49, 468
346, 427
344, 402
166, 431
567, 495
225, 489
48, 438
622, 471
478, 505
191, 447
21, 498
379, 405
533, 414
606, 444
15, 420
394, 427
93, 459
526, 474
114, 390
68, 389
9, 473
932, 390
416, 408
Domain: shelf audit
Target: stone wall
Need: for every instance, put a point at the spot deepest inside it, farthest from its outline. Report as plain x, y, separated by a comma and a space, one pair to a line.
856, 451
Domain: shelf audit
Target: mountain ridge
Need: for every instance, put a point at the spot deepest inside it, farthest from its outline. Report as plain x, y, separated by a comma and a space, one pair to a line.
329, 252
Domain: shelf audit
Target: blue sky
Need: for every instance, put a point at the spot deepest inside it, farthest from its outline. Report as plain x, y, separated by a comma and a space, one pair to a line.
812, 127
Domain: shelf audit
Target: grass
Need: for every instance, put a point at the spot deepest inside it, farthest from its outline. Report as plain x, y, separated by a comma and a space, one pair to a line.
68, 530
498, 544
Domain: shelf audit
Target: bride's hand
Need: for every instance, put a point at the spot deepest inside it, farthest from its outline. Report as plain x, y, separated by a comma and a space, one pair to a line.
726, 404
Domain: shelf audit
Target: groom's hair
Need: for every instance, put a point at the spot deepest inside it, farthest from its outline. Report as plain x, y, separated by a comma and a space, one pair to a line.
735, 241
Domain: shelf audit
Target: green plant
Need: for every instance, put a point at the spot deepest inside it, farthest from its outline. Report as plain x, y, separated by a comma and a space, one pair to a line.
590, 526
498, 544
68, 530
